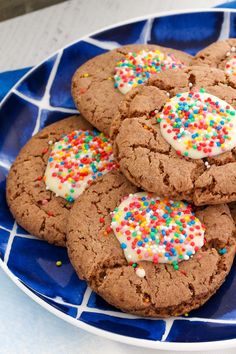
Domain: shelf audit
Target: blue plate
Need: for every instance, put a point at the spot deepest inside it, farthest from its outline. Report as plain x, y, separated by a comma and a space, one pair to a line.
43, 97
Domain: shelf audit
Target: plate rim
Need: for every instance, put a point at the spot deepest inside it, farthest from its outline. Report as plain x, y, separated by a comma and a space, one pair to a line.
145, 343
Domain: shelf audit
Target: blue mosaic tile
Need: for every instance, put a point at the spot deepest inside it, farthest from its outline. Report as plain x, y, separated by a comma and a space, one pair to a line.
232, 33
188, 32
123, 35
21, 231
49, 117
139, 328
6, 218
72, 58
195, 331
18, 119
68, 310
96, 301
34, 85
4, 236
36, 267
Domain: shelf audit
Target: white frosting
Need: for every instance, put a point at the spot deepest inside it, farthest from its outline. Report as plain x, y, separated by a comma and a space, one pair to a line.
79, 155
153, 246
185, 141
137, 68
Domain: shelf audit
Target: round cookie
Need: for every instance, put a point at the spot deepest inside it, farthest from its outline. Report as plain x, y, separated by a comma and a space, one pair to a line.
51, 170
147, 158
221, 54
149, 289
93, 88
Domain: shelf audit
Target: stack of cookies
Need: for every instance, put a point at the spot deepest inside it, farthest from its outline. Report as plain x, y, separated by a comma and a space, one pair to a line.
137, 186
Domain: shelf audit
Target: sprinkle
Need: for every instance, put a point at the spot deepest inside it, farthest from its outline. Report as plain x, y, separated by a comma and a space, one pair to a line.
102, 220
190, 84
44, 201
50, 142
50, 213
197, 124
158, 230
136, 68
44, 151
222, 251
82, 90
86, 75
58, 263
76, 161
230, 66
140, 272
186, 314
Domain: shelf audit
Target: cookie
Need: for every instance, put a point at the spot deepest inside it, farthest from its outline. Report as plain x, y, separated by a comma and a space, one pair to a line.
221, 54
98, 84
176, 137
51, 171
189, 251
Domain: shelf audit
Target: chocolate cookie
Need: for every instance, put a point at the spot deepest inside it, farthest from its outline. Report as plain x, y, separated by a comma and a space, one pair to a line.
176, 137
97, 85
51, 171
147, 287
221, 54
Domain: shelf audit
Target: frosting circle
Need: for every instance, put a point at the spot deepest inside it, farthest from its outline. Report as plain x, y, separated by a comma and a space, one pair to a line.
150, 228
198, 124
136, 68
75, 161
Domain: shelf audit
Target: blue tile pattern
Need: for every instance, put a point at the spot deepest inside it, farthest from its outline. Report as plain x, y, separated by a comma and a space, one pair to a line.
141, 328
42, 98
187, 32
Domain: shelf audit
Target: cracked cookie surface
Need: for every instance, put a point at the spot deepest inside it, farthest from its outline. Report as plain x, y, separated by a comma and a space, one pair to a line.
217, 55
93, 85
146, 158
98, 258
36, 209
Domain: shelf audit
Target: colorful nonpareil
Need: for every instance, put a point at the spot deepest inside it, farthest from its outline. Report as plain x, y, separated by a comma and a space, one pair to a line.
198, 124
76, 160
230, 66
137, 68
158, 230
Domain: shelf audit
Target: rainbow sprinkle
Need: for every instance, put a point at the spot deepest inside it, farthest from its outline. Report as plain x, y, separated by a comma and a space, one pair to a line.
159, 230
137, 68
198, 124
76, 160
230, 66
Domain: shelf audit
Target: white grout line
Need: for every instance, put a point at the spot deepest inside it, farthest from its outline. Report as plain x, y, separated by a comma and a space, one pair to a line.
37, 124
83, 306
109, 45
46, 96
145, 35
31, 237
4, 228
9, 243
5, 164
225, 28
41, 105
169, 323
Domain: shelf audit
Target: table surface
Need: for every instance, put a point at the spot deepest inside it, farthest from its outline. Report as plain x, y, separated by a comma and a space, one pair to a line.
24, 41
